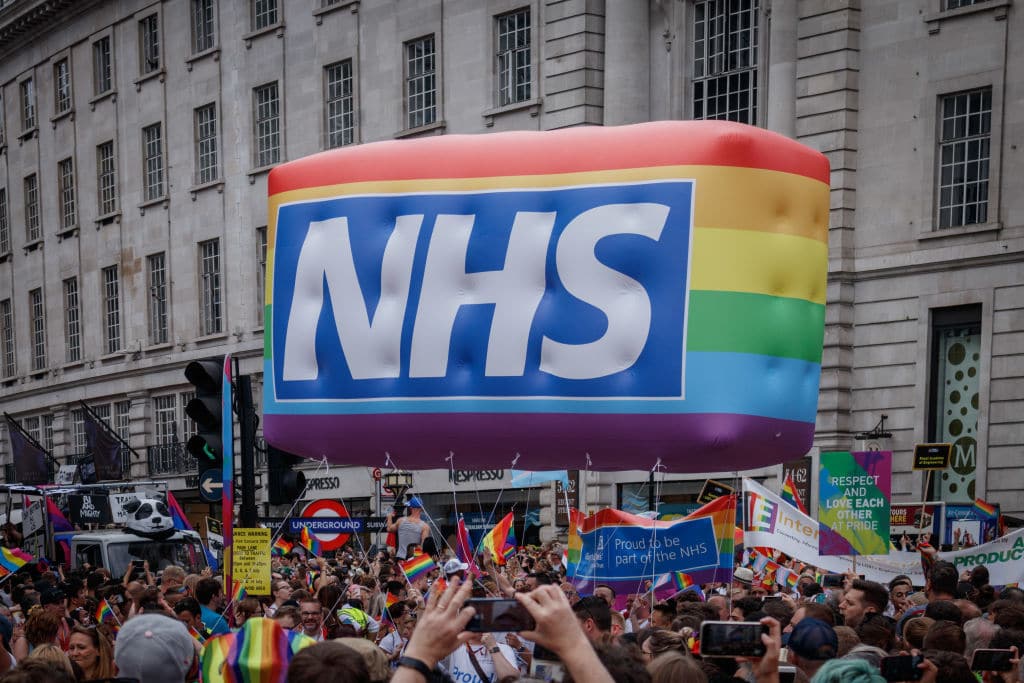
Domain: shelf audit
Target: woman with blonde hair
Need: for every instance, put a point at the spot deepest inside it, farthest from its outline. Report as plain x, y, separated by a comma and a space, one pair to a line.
675, 667
53, 656
91, 650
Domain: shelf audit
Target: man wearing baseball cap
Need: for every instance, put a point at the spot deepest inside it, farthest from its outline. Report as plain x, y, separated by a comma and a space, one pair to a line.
455, 568
811, 643
410, 530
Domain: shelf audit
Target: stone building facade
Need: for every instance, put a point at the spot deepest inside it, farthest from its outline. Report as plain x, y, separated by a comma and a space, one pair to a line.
136, 136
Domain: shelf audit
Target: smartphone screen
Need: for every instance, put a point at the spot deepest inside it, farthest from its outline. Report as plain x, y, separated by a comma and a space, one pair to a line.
902, 668
832, 581
787, 674
499, 614
732, 639
992, 660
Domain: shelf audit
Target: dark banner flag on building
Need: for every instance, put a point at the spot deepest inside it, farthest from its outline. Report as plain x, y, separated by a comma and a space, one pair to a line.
28, 456
105, 448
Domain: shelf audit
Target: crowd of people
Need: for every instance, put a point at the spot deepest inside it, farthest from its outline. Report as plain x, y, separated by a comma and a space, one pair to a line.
355, 617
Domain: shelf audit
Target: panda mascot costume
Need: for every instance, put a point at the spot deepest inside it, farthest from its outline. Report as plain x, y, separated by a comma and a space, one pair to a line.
149, 518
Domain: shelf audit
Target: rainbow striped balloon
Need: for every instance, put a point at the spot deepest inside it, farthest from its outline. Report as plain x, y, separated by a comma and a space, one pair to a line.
675, 278
259, 652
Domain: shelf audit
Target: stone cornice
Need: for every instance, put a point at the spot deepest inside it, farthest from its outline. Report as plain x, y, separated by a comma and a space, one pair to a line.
21, 20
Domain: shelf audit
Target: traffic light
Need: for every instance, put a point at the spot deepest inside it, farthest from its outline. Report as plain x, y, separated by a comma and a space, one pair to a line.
207, 376
285, 484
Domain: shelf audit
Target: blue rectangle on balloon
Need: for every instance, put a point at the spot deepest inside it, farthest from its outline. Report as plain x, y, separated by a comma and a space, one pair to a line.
547, 294
614, 553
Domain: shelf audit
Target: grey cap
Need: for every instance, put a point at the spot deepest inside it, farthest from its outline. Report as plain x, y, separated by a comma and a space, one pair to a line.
154, 648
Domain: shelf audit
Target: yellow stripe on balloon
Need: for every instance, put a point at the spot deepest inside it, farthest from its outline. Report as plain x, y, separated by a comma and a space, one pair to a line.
760, 263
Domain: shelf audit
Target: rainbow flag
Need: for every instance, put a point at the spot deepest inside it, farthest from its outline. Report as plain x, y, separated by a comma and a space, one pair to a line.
310, 579
790, 495
230, 658
464, 547
986, 509
196, 634
495, 539
722, 512
13, 559
238, 592
417, 567
310, 542
104, 613
281, 547
575, 545
510, 545
390, 601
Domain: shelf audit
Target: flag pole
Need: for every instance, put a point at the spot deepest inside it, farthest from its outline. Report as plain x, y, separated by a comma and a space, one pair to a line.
21, 430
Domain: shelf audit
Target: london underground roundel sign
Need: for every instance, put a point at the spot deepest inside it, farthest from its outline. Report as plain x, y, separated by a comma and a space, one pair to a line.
327, 509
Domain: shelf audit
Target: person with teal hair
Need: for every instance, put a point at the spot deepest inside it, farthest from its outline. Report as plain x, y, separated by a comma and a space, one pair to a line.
848, 671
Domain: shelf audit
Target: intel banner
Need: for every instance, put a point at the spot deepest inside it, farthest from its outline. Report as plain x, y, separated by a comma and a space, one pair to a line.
483, 297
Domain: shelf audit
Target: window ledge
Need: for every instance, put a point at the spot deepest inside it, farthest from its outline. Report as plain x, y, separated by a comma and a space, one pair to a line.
33, 245
533, 105
998, 8
199, 56
162, 346
113, 357
110, 94
6, 256
196, 189
107, 219
72, 365
65, 233
942, 233
69, 115
277, 28
209, 338
319, 12
429, 128
259, 170
162, 199
28, 133
160, 73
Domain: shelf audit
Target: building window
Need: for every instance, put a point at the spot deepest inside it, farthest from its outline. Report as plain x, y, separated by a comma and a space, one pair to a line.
188, 425
954, 401
7, 337
157, 299
153, 162
165, 419
72, 320
261, 271
66, 179
32, 228
111, 310
203, 29
62, 86
725, 59
38, 313
956, 4
264, 14
420, 82
514, 57
268, 125
206, 144
209, 268
340, 113
149, 45
102, 67
122, 420
28, 105
5, 226
106, 178
47, 439
964, 157
3, 129
78, 441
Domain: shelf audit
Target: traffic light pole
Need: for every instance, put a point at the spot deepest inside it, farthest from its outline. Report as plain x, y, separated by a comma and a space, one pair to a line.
247, 433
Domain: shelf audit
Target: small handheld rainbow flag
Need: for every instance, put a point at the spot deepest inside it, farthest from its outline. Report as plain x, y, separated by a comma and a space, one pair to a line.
495, 539
310, 579
310, 542
281, 547
985, 508
104, 613
417, 567
790, 495
196, 634
238, 592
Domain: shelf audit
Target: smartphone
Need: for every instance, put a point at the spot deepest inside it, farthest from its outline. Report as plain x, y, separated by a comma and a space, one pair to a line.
138, 564
992, 660
499, 614
732, 639
767, 598
902, 668
832, 581
787, 674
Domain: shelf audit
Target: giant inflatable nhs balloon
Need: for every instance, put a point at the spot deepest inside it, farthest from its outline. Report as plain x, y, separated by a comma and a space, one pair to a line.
631, 294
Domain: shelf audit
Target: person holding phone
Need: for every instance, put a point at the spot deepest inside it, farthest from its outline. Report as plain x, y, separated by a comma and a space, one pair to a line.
410, 530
